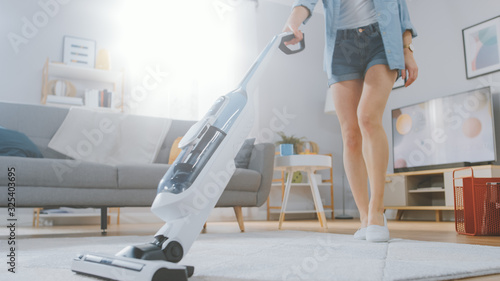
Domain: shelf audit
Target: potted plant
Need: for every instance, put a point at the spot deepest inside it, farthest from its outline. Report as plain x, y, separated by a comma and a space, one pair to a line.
288, 144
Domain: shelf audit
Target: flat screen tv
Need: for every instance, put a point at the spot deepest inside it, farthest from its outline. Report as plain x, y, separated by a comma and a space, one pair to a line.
451, 131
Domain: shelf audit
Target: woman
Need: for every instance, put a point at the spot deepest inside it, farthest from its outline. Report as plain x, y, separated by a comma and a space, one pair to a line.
368, 46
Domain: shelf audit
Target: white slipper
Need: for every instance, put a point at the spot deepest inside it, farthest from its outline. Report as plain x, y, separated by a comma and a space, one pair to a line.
360, 234
377, 233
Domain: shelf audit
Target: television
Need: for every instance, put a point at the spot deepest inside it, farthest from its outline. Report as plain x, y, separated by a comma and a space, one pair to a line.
451, 131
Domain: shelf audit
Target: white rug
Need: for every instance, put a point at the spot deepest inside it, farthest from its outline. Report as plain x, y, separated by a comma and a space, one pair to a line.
276, 255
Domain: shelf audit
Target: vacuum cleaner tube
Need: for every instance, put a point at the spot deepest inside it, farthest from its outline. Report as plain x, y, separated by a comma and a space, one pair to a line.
183, 173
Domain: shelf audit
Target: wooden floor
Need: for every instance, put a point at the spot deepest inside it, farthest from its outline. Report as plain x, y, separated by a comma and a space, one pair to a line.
423, 231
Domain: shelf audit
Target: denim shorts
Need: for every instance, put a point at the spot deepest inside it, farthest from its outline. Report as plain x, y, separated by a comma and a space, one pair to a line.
356, 50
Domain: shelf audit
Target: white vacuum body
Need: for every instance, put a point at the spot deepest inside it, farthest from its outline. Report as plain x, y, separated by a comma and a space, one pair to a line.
190, 188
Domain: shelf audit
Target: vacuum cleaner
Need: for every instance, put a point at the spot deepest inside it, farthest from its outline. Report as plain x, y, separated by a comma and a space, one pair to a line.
190, 188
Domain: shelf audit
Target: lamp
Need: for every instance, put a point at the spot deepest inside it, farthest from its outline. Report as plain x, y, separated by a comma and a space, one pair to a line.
330, 109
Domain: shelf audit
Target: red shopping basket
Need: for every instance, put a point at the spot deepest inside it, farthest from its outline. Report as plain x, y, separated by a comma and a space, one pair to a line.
477, 204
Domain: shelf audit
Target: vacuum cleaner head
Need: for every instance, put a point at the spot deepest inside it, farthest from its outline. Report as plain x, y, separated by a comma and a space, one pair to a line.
129, 269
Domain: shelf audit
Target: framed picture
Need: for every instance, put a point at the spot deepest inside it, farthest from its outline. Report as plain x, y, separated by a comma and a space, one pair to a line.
481, 48
79, 52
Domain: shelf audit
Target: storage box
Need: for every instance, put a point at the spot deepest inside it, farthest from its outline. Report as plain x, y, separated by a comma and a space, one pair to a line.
477, 204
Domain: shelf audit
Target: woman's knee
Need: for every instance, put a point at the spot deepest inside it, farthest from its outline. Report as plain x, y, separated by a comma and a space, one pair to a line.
352, 139
369, 123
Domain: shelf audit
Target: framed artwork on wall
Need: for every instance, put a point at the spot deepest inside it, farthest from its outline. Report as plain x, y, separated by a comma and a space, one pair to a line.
482, 48
79, 52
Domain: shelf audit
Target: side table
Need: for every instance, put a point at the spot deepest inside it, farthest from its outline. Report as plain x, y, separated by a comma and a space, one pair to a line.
308, 163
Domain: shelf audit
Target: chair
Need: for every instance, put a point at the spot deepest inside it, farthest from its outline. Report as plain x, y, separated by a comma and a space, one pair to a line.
250, 187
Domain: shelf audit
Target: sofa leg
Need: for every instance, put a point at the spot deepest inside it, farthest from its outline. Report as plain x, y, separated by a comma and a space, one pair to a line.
104, 220
239, 217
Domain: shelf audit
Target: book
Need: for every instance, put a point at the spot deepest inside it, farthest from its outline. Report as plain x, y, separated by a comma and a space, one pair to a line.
91, 98
105, 98
98, 98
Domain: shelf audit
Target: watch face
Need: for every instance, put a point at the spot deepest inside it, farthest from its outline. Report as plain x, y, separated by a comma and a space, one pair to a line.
411, 47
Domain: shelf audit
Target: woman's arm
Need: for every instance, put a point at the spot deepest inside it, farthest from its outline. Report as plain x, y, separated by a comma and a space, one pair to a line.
297, 17
410, 63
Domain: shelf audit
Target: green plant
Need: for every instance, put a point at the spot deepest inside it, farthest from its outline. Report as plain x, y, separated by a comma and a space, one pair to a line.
290, 139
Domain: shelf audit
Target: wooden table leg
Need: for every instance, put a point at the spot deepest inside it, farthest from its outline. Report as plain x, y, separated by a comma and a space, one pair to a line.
285, 198
438, 215
399, 214
36, 216
317, 200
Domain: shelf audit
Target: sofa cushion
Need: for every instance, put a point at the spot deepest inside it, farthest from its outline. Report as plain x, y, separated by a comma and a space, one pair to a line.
38, 122
58, 173
140, 176
55, 197
244, 180
242, 159
231, 198
13, 143
178, 128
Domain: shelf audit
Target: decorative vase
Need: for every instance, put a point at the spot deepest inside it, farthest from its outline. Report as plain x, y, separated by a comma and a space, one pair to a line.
102, 61
286, 149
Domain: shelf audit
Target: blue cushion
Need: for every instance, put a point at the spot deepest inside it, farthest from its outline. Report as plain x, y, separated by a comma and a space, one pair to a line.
242, 159
13, 143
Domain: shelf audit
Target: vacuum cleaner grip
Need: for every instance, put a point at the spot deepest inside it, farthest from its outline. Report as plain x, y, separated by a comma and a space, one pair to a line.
284, 48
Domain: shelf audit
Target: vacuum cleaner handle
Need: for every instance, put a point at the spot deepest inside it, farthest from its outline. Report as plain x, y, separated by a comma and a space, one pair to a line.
284, 48
264, 56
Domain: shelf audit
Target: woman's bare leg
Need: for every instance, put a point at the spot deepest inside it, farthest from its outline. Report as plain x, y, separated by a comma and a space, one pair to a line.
346, 96
378, 84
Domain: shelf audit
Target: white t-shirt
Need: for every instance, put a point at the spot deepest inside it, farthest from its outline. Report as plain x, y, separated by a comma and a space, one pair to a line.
356, 13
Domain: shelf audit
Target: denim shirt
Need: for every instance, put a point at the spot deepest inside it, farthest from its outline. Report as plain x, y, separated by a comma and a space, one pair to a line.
393, 19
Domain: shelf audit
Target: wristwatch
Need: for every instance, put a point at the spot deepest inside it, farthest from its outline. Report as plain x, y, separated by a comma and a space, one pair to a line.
410, 47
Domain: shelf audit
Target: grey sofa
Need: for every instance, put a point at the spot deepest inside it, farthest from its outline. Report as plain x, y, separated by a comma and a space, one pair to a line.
85, 184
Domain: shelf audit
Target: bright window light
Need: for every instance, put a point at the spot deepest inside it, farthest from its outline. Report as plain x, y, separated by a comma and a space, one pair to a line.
192, 48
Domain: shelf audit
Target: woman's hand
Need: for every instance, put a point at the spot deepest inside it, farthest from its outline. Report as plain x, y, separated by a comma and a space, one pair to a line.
410, 67
298, 15
410, 63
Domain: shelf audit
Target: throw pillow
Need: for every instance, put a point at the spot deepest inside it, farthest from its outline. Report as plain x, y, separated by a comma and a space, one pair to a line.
14, 143
174, 150
110, 138
242, 159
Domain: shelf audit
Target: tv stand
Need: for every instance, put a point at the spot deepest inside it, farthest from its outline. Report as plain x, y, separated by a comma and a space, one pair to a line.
429, 190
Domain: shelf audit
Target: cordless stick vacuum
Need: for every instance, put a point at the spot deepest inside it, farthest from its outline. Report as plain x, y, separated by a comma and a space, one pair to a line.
190, 188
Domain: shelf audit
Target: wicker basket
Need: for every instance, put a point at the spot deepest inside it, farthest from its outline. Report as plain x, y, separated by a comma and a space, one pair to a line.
477, 204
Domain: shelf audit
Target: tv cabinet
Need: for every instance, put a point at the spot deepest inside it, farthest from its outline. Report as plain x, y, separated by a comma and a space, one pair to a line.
429, 190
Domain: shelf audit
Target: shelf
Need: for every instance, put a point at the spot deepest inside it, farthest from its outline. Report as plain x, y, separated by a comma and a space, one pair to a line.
83, 78
436, 191
437, 209
302, 184
70, 215
82, 73
426, 190
303, 211
421, 208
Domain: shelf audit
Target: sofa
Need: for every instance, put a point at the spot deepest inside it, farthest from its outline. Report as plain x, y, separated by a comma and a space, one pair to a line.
87, 184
